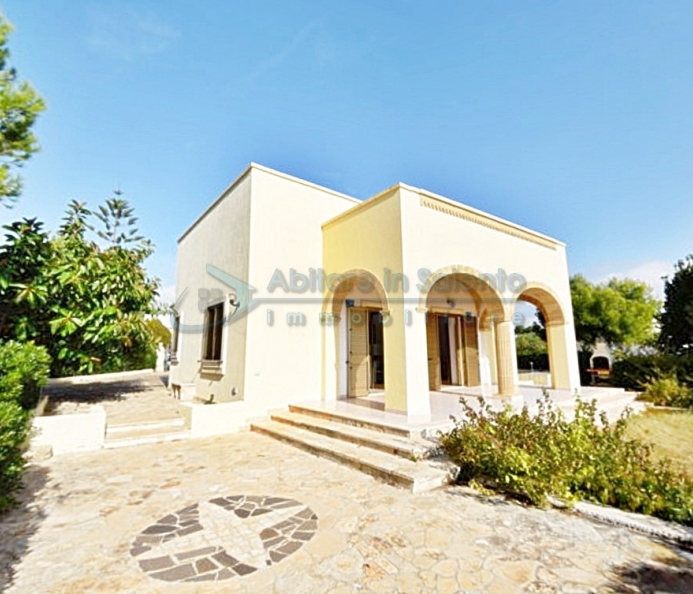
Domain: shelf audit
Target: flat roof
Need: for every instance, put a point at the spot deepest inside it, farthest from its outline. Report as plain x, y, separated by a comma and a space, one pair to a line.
451, 207
456, 208
270, 171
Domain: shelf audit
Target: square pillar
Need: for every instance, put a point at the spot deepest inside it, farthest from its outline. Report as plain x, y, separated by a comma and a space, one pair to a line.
565, 373
331, 355
489, 375
406, 376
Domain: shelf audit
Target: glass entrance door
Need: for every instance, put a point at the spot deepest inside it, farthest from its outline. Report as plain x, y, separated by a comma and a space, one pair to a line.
377, 352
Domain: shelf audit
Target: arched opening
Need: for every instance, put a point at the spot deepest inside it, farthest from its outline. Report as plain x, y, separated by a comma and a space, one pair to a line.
532, 352
601, 362
540, 338
359, 311
460, 308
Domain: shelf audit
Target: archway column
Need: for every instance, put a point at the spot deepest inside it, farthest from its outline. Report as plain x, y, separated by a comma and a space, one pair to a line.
489, 373
506, 358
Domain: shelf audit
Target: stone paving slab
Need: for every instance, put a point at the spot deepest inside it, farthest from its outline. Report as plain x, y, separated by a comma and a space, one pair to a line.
84, 515
134, 399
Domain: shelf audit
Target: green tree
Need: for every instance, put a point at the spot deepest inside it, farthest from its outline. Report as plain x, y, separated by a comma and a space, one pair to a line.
160, 333
20, 105
89, 305
676, 320
529, 344
24, 258
621, 312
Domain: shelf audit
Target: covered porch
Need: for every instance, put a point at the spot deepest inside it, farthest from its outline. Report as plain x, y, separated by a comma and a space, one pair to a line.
456, 337
447, 402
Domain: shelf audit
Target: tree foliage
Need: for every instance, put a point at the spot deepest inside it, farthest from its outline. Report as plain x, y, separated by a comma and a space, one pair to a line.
676, 321
160, 333
88, 304
620, 312
529, 343
20, 105
532, 351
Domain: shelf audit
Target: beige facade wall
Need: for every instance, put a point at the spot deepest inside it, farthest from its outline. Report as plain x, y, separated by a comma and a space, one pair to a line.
266, 222
284, 237
439, 235
220, 237
368, 239
283, 362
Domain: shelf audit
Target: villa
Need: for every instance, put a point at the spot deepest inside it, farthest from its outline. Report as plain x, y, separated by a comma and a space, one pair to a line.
290, 292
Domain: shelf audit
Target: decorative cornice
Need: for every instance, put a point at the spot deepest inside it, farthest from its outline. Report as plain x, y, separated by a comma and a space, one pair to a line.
479, 218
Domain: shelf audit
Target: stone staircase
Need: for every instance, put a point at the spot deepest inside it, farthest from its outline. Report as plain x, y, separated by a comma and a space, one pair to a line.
612, 401
396, 454
123, 435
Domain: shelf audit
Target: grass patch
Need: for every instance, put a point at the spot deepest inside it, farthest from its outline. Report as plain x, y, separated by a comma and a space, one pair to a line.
669, 432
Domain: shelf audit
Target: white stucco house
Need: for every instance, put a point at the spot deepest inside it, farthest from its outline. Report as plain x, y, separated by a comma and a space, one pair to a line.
287, 291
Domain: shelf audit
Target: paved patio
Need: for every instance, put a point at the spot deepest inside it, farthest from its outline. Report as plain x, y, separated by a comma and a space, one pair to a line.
127, 398
244, 513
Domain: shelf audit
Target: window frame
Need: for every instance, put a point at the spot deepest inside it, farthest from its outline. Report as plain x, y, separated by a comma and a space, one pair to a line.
212, 341
175, 338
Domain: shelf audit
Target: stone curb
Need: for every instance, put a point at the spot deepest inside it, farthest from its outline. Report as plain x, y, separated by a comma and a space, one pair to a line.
669, 531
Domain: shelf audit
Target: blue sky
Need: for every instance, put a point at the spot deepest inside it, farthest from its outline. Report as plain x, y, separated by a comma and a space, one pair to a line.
572, 118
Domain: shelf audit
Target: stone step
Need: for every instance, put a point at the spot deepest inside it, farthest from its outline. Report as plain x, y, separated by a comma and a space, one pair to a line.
171, 423
412, 448
613, 403
368, 420
146, 433
146, 439
418, 477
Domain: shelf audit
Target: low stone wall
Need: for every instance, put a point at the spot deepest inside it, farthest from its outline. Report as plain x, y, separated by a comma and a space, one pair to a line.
71, 433
535, 378
213, 419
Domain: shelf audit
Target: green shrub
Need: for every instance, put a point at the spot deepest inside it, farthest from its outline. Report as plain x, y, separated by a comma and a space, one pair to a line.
24, 369
14, 430
633, 371
667, 391
533, 456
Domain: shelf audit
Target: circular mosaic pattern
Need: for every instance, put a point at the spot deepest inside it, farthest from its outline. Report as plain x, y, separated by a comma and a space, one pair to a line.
224, 537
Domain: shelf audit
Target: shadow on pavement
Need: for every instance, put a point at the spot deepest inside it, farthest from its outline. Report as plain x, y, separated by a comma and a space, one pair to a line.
671, 575
95, 392
18, 525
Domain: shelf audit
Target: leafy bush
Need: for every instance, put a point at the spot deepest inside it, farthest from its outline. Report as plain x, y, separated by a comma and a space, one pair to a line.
531, 457
632, 372
664, 379
24, 369
667, 391
14, 430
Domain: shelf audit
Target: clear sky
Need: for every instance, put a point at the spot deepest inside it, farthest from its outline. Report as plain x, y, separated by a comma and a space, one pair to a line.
571, 118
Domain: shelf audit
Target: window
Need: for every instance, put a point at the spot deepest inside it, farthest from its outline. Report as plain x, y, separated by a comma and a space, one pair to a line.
174, 338
214, 323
